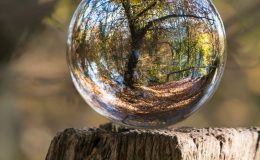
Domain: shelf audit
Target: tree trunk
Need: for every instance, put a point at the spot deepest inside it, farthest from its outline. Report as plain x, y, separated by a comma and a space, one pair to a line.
117, 143
131, 73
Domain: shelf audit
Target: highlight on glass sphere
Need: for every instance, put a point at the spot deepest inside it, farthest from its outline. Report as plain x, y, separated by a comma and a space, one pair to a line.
146, 63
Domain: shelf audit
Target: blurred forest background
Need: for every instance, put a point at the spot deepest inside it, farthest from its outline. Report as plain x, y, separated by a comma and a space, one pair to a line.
38, 99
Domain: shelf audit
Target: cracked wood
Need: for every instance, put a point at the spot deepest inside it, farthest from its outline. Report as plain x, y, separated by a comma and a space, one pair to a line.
117, 143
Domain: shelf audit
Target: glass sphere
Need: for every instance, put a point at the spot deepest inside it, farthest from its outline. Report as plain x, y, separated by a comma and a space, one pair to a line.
146, 63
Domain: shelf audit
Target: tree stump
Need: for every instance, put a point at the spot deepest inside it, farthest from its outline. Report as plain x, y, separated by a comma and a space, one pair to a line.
109, 142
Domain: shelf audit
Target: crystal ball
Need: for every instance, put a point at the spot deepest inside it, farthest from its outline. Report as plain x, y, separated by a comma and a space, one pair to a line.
146, 63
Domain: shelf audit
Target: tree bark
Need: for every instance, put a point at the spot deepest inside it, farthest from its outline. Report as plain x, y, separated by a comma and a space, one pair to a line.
118, 143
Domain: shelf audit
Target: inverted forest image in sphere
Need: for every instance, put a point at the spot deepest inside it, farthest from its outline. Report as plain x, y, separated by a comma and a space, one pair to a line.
146, 63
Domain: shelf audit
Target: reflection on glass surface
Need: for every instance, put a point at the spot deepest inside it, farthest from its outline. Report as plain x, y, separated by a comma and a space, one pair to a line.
146, 63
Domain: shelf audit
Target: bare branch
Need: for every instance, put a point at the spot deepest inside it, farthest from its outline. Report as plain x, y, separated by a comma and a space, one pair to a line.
152, 22
146, 9
127, 7
187, 69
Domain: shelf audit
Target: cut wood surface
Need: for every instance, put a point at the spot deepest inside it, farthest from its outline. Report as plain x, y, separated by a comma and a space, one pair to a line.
109, 142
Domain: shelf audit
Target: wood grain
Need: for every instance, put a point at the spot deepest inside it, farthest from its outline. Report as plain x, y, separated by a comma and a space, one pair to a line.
109, 142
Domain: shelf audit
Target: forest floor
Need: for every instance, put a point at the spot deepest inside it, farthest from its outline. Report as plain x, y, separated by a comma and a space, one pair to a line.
163, 97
